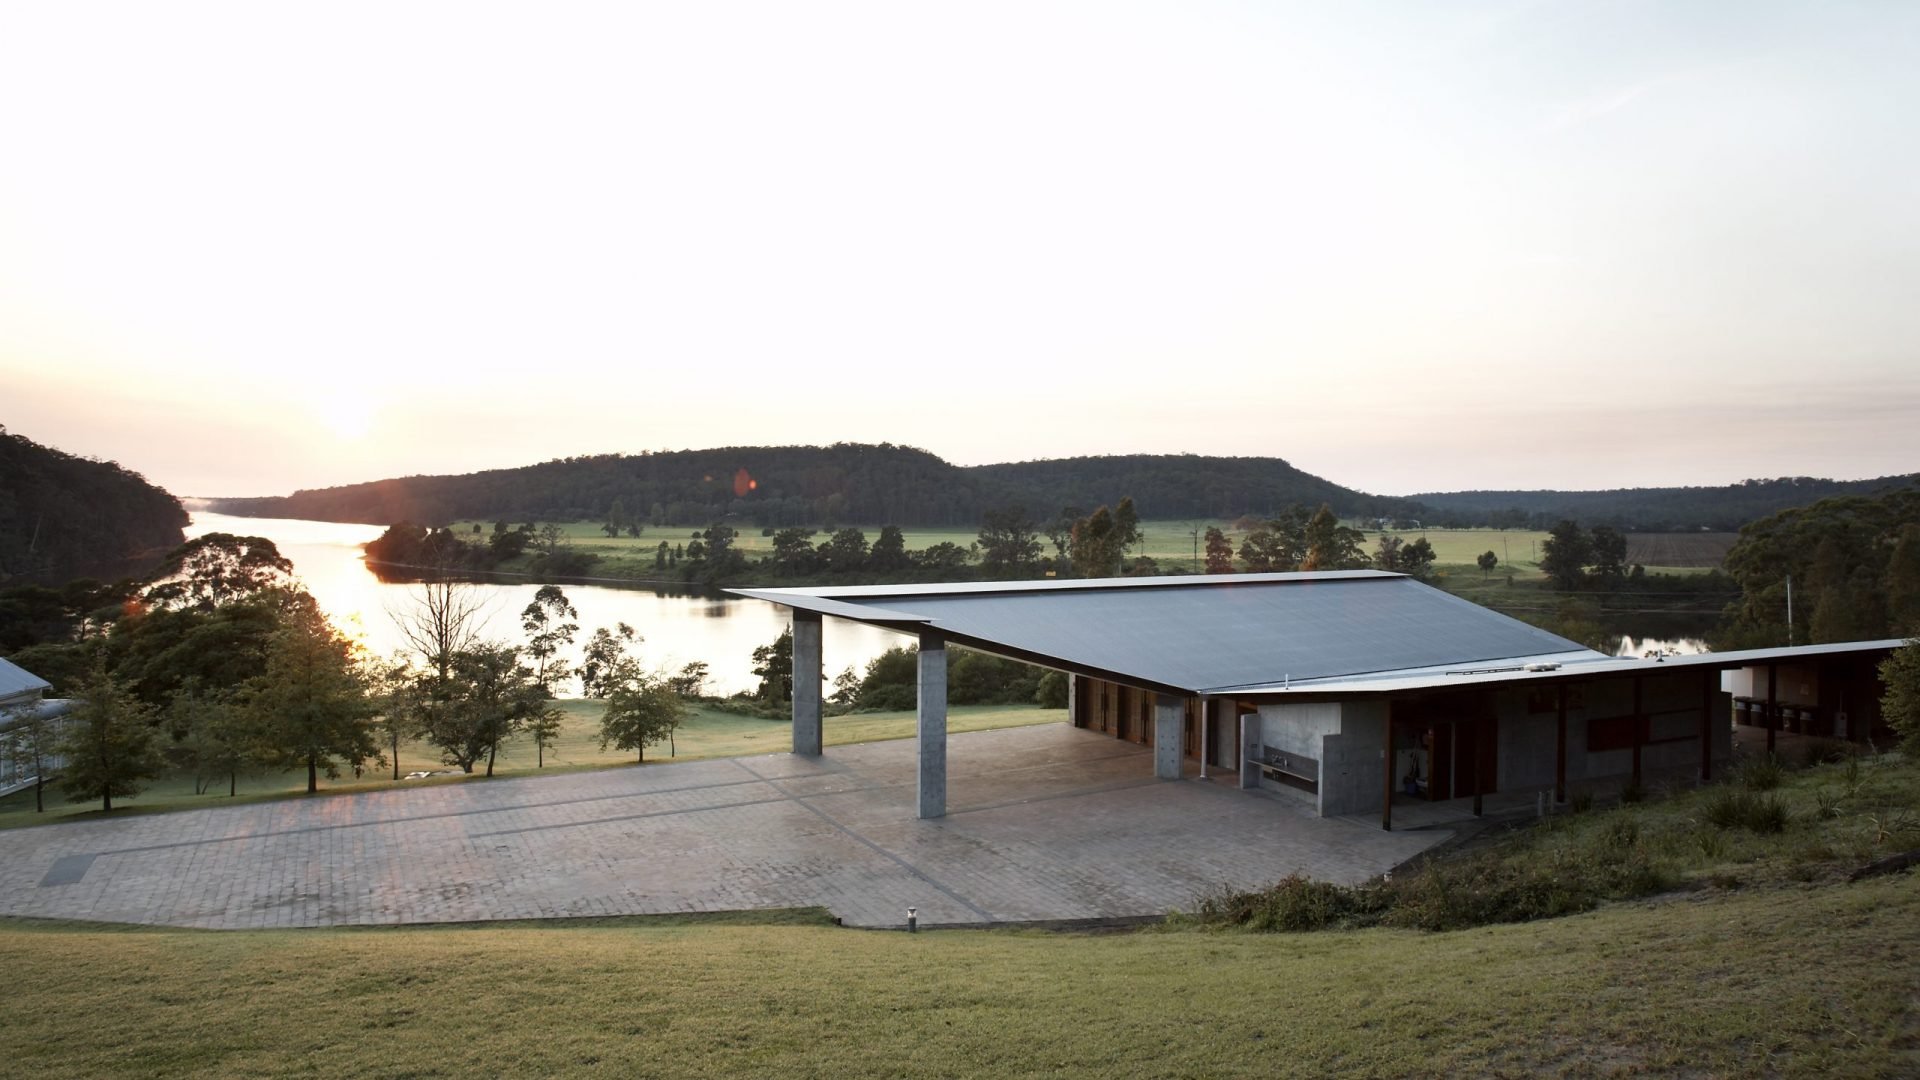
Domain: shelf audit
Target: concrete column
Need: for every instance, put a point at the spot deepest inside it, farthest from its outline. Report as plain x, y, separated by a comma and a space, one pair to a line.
1073, 699
1169, 733
1207, 709
1249, 724
806, 682
932, 727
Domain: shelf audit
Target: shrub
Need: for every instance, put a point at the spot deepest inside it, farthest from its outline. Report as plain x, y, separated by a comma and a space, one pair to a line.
1763, 774
1712, 842
1632, 792
1769, 815
1582, 801
1292, 905
1852, 775
1725, 808
1729, 808
1827, 803
1822, 751
1620, 832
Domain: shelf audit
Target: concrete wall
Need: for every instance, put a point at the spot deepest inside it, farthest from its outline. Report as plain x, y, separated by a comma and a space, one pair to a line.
1346, 738
1298, 729
1796, 684
1353, 766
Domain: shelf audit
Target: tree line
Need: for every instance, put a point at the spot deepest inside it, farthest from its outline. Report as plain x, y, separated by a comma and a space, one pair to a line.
1852, 565
217, 663
1722, 508
890, 682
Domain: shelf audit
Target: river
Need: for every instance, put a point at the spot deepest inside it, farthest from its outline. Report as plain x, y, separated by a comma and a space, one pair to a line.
678, 625
677, 629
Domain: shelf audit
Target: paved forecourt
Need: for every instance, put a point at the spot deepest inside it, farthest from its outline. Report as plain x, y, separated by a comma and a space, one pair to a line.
1045, 822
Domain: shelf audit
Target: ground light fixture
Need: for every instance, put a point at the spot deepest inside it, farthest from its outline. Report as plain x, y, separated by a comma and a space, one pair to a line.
913, 920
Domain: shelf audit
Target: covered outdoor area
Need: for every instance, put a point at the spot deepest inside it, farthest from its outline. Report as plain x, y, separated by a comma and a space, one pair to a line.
1178, 665
1029, 837
1349, 692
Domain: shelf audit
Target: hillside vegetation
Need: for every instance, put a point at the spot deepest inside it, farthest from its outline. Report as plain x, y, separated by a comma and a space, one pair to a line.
884, 484
64, 517
812, 485
1725, 507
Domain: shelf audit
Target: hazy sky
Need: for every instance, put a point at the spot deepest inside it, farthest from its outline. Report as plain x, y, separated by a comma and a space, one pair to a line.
1409, 246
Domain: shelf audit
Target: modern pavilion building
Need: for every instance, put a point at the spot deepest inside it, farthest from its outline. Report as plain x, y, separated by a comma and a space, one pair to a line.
1348, 690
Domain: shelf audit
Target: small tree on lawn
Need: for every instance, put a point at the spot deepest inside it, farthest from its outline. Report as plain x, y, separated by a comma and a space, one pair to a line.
1564, 555
605, 649
109, 742
400, 699
1219, 552
1487, 562
1416, 559
488, 696
774, 664
214, 736
549, 623
543, 727
641, 711
312, 705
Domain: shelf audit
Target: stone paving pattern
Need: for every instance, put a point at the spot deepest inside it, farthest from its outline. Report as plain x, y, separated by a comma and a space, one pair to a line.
1044, 823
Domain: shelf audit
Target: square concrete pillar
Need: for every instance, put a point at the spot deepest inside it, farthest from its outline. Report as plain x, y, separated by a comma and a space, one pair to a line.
932, 726
1169, 735
1249, 748
807, 677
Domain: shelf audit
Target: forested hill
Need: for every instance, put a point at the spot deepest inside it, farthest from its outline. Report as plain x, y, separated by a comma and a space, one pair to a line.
771, 485
886, 484
1650, 509
1178, 486
63, 517
812, 485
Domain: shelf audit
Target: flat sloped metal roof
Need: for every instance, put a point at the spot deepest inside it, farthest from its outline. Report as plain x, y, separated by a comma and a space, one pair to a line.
16, 681
1202, 634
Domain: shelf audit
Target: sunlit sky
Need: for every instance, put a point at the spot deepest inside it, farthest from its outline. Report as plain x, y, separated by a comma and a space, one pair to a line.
247, 248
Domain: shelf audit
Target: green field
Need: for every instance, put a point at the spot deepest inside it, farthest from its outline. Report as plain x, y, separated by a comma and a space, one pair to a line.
708, 733
1172, 544
1796, 981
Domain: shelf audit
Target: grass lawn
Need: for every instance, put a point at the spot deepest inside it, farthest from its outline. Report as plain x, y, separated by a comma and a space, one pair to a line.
1790, 981
1171, 543
707, 733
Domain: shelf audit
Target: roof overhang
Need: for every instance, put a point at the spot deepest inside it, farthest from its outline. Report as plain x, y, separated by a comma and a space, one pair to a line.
1113, 628
1535, 670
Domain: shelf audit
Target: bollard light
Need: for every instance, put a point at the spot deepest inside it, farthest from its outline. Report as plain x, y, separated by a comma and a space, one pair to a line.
913, 920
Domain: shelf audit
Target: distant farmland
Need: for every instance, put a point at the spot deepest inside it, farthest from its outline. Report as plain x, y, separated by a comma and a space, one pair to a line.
1695, 550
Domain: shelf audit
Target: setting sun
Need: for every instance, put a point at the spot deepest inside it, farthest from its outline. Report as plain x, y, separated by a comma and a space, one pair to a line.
345, 416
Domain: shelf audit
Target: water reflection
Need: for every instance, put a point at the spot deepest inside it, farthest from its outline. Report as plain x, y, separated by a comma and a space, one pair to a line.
1651, 646
679, 623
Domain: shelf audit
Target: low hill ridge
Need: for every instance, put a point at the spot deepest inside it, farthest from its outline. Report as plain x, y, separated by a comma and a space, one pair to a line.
886, 483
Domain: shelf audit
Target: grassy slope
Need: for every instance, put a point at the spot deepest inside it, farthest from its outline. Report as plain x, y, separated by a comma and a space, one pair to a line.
1788, 981
709, 733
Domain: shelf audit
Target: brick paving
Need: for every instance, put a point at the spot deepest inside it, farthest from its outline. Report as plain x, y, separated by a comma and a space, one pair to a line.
1044, 823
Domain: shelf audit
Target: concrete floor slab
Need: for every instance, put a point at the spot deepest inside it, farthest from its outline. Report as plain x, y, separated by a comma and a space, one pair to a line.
1043, 823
